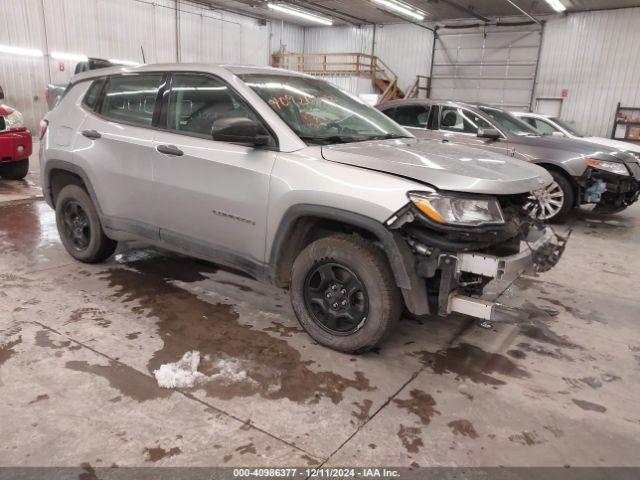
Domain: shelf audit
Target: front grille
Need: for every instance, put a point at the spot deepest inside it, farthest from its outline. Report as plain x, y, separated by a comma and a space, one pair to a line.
635, 170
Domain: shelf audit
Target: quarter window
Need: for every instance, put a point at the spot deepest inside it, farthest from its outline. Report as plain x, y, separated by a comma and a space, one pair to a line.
131, 99
411, 115
197, 101
458, 120
92, 97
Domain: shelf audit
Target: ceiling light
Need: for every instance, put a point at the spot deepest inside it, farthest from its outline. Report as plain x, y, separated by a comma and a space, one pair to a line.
74, 57
124, 62
556, 5
400, 8
29, 52
299, 13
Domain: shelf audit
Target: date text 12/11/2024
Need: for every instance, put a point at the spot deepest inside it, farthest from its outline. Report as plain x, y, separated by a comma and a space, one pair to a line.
328, 472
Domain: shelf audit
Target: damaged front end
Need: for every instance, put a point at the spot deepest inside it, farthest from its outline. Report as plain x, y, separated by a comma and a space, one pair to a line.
467, 258
612, 186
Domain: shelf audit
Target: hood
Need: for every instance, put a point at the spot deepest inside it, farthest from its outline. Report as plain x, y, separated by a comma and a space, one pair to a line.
445, 166
615, 144
572, 146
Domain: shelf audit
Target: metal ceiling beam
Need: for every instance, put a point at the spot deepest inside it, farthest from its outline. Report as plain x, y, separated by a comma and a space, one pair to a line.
405, 19
345, 17
525, 13
469, 11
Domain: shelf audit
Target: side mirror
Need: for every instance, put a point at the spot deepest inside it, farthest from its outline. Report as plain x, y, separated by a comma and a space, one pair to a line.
490, 133
239, 130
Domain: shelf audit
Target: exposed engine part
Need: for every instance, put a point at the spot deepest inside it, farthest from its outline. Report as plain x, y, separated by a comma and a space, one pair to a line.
419, 248
593, 193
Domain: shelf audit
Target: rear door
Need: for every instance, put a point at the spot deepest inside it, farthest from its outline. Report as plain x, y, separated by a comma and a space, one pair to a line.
460, 125
211, 197
117, 144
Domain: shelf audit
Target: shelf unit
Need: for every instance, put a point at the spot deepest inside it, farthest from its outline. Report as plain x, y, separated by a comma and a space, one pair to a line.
626, 124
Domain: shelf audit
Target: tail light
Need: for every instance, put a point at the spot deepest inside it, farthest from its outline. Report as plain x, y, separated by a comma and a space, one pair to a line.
44, 124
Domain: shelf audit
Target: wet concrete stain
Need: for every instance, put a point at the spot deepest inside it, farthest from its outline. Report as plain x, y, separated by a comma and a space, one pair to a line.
589, 406
271, 367
517, 354
362, 412
128, 381
410, 438
543, 334
156, 454
27, 228
555, 431
463, 427
542, 350
526, 438
44, 340
310, 460
283, 330
239, 286
39, 398
7, 350
249, 448
132, 335
592, 382
93, 314
420, 404
372, 446
467, 361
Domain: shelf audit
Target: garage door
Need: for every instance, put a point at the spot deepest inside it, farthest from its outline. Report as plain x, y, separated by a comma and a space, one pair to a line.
493, 65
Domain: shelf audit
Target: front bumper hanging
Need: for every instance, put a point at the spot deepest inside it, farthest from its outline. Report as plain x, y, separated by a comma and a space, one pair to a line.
540, 251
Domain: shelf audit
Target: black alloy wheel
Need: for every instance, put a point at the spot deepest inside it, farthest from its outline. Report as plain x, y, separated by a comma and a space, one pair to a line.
336, 298
77, 227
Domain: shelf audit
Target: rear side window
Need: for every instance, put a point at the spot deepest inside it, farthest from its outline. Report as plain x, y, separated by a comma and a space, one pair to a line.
131, 99
411, 115
92, 97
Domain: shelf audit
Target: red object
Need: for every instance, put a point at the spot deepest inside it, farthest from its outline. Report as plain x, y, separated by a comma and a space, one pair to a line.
6, 110
565, 92
11, 143
61, 66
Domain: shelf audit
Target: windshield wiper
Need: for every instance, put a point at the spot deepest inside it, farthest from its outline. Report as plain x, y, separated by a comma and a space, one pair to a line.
388, 136
326, 140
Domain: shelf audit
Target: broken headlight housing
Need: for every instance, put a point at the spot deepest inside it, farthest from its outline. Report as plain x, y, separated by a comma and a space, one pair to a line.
458, 211
611, 167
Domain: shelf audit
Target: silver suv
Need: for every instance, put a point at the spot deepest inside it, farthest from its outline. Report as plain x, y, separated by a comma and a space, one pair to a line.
583, 172
293, 181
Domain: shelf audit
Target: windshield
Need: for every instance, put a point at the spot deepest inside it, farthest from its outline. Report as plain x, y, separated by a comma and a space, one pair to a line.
321, 113
567, 127
509, 122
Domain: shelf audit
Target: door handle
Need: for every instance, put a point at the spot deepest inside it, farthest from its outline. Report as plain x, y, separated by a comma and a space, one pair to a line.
91, 134
170, 150
445, 140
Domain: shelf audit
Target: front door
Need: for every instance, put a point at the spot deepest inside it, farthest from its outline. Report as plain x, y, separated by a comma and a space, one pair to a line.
212, 196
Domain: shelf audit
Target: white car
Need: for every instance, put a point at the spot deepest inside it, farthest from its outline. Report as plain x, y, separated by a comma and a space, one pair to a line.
549, 125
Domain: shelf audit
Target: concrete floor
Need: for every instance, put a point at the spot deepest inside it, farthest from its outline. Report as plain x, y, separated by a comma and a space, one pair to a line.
79, 343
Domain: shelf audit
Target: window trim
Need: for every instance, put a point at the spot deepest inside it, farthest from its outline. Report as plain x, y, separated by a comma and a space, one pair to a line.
163, 119
100, 93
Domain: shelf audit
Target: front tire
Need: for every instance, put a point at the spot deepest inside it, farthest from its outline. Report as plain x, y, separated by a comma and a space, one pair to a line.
80, 228
554, 203
344, 294
15, 170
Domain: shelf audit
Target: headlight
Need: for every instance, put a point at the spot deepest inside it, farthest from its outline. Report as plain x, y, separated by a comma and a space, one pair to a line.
457, 210
14, 120
611, 167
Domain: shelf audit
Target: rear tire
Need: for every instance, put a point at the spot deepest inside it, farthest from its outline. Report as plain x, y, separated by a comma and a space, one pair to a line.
362, 279
80, 228
15, 170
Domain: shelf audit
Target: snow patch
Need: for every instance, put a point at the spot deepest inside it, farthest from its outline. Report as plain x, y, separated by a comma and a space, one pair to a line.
181, 374
184, 373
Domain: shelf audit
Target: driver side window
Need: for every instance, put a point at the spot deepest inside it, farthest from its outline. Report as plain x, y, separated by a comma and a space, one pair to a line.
461, 121
197, 101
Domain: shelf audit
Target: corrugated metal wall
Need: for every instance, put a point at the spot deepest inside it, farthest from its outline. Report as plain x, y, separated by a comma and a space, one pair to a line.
596, 57
117, 29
